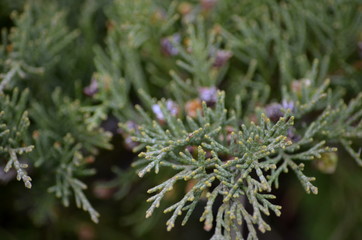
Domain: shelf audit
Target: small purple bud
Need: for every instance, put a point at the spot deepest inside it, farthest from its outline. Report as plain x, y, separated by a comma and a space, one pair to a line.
221, 57
131, 126
288, 105
168, 44
129, 143
171, 106
273, 111
208, 94
92, 88
191, 149
157, 111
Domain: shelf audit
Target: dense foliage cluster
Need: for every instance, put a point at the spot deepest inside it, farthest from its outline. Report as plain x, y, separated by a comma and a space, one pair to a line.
218, 98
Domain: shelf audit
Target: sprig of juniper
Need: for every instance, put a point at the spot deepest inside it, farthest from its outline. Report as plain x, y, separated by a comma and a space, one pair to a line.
14, 123
242, 163
66, 151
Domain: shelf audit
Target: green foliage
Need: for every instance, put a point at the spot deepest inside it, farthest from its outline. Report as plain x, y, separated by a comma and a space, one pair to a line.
65, 157
29, 49
247, 90
243, 163
284, 39
14, 123
119, 65
247, 165
60, 135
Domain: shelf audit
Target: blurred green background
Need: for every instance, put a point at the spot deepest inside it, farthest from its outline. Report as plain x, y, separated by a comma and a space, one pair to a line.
119, 195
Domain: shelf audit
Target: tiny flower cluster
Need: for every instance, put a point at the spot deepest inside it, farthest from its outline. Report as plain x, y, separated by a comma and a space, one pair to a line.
168, 45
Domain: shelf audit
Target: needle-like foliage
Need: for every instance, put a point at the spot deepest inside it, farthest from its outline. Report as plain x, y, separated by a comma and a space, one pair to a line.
219, 99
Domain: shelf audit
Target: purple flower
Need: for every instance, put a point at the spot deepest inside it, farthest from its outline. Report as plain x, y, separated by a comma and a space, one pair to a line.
221, 58
92, 88
171, 106
168, 44
208, 94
